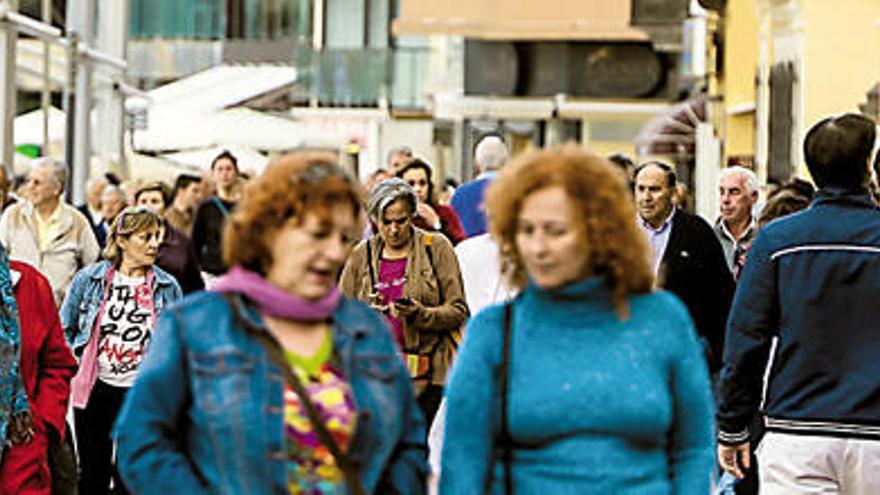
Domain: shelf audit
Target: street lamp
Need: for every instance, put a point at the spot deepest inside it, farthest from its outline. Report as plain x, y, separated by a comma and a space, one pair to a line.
136, 116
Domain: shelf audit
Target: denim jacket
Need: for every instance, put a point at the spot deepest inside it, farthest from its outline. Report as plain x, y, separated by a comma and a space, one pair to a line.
80, 312
206, 412
83, 301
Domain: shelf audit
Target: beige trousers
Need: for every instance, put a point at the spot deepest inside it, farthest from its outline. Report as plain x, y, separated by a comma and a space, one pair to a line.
804, 464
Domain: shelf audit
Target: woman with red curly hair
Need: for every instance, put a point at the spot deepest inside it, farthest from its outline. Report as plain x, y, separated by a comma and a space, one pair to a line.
273, 382
602, 385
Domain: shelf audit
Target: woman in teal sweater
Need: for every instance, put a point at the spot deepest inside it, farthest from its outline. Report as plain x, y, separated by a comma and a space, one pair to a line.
607, 389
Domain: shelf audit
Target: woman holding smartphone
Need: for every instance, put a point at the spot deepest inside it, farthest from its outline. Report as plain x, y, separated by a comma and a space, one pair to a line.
413, 278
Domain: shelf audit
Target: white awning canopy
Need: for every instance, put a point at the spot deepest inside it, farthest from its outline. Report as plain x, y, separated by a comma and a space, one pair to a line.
28, 127
202, 111
171, 131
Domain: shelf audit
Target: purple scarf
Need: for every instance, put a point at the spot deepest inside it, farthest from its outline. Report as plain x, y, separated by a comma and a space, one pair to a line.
275, 302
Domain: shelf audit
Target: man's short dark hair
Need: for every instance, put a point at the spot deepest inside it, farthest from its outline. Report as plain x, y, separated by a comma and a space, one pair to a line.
183, 181
837, 150
622, 161
229, 156
112, 178
665, 167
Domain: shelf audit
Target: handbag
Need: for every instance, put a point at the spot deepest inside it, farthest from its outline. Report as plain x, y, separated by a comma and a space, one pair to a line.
276, 356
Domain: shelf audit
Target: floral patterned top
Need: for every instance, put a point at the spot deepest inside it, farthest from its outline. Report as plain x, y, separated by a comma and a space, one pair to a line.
312, 469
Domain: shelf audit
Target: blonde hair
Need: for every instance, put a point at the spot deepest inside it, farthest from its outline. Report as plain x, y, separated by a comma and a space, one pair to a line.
130, 221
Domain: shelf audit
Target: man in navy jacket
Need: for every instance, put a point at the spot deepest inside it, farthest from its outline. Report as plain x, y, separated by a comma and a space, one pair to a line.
812, 281
490, 155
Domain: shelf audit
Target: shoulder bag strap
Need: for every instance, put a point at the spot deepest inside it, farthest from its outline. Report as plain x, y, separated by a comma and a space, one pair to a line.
370, 265
506, 441
276, 355
452, 333
220, 206
428, 239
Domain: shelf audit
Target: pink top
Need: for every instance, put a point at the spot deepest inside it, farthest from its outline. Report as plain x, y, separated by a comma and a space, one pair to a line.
392, 276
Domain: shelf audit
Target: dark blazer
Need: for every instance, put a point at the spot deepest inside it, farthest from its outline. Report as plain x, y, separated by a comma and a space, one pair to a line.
694, 269
98, 228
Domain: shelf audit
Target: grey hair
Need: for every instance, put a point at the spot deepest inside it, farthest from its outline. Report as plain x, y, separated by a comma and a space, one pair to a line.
110, 189
386, 193
93, 181
398, 150
59, 169
490, 153
751, 180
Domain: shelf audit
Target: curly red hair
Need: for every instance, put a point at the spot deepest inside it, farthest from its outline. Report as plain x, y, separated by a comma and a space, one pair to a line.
618, 251
296, 185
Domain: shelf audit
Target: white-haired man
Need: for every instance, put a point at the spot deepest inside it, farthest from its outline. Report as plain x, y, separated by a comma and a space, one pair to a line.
736, 226
397, 157
47, 233
490, 154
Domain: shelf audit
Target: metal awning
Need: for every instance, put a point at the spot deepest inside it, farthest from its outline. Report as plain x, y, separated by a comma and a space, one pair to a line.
673, 133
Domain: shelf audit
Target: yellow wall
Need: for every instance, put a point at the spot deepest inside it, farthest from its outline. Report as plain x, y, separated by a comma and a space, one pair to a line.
841, 56
740, 66
740, 136
605, 148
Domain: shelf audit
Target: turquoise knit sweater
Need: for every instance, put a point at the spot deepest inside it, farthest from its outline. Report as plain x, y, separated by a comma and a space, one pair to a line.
597, 405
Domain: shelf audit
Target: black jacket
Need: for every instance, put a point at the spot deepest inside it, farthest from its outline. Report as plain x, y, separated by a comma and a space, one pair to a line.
99, 230
694, 269
208, 234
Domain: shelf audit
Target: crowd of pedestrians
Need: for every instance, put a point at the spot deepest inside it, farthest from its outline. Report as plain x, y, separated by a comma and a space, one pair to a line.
560, 324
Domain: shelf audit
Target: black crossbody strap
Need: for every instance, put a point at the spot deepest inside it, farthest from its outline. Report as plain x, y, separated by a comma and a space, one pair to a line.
352, 476
370, 265
276, 355
506, 440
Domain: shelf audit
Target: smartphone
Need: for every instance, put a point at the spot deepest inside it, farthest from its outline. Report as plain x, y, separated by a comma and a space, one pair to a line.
403, 301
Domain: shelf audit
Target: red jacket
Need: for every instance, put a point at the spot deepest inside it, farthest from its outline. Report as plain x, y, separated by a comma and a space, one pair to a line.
47, 366
450, 225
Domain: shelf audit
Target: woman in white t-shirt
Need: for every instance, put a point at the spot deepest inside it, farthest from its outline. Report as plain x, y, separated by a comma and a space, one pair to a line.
108, 318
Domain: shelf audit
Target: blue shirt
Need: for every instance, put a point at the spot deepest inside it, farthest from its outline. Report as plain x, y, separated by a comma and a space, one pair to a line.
468, 204
597, 405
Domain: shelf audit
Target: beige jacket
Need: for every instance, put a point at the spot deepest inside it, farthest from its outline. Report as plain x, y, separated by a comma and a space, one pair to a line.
74, 248
434, 326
